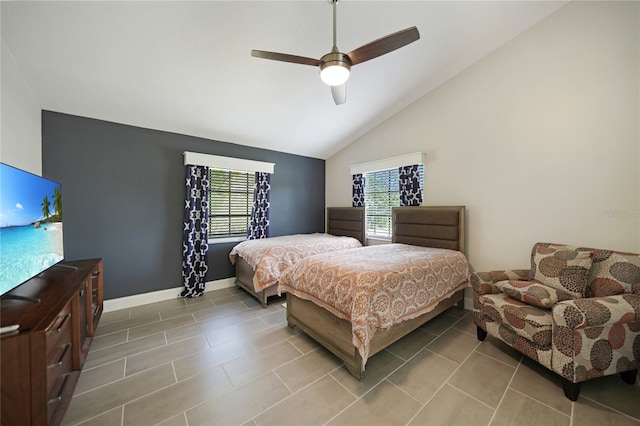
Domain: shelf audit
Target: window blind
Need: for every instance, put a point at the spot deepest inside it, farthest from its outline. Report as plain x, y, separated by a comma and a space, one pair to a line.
230, 202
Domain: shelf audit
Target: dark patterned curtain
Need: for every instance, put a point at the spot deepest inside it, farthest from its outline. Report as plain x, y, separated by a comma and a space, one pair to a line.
195, 232
259, 225
410, 193
358, 190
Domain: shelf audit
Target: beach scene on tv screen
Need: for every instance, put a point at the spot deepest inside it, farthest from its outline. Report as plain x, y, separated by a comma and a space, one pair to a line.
30, 226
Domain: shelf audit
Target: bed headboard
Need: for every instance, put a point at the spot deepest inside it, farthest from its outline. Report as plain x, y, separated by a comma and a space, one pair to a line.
429, 226
346, 221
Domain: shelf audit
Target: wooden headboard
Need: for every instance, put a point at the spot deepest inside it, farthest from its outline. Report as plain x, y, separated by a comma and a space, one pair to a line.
437, 226
346, 221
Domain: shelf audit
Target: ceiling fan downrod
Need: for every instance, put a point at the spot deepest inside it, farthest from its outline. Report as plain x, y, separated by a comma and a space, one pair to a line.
335, 67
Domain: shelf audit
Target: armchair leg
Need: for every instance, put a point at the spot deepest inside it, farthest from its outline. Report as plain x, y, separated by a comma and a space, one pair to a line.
571, 390
629, 376
481, 333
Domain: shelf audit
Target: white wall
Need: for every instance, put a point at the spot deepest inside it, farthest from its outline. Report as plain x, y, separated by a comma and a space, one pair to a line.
20, 118
540, 139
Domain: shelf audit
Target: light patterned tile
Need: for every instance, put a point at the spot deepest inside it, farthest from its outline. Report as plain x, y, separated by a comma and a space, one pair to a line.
245, 368
160, 326
411, 344
174, 399
378, 367
99, 376
105, 398
500, 351
454, 344
167, 353
179, 420
423, 375
483, 378
384, 405
270, 336
313, 405
219, 311
451, 407
108, 328
615, 393
240, 404
123, 350
519, 410
541, 384
308, 368
590, 413
440, 323
235, 331
102, 342
303, 343
186, 309
109, 418
196, 363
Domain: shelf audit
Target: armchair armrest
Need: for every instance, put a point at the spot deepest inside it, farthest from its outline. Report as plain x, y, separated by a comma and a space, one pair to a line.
484, 282
597, 311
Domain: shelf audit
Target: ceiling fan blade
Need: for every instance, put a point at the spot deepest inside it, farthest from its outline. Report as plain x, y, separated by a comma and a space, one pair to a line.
285, 57
384, 45
339, 94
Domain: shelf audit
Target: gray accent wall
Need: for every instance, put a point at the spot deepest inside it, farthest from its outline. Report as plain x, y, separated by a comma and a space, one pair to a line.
123, 197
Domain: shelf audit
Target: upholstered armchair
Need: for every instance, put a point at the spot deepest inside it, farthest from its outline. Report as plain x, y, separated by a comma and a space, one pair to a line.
576, 311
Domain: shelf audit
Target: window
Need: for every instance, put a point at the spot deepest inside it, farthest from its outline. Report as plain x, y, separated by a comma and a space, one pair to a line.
381, 193
230, 202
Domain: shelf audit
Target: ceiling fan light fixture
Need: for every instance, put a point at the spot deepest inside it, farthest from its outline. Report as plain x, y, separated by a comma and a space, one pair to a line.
334, 69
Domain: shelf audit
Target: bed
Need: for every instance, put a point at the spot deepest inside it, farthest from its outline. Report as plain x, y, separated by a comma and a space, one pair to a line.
258, 275
336, 320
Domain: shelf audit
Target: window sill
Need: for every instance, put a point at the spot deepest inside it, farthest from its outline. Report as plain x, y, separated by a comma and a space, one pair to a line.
226, 240
375, 241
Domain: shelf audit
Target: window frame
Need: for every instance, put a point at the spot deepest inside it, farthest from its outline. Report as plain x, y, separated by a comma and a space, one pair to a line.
393, 197
227, 163
247, 189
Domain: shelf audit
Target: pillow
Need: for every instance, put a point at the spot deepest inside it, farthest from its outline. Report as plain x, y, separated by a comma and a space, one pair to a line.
561, 267
534, 293
614, 273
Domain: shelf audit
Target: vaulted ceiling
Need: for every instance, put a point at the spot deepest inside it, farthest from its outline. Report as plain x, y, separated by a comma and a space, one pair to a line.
185, 66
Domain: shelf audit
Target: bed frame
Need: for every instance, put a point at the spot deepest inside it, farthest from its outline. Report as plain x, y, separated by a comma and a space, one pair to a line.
440, 227
341, 221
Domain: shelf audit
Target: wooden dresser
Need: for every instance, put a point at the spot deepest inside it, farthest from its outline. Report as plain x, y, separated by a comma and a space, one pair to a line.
41, 362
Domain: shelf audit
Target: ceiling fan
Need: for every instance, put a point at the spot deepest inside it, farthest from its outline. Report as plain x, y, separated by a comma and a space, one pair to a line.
335, 66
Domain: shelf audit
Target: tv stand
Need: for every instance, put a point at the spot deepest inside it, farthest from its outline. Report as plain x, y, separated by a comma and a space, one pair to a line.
41, 360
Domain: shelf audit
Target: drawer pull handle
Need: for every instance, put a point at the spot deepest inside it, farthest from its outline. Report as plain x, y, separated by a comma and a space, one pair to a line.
62, 322
95, 274
82, 292
59, 397
65, 348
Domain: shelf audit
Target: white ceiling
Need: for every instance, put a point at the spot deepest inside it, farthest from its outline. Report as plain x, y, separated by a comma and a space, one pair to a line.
185, 67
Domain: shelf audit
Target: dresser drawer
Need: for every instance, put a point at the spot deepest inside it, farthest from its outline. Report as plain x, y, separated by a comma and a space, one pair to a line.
58, 335
55, 400
57, 371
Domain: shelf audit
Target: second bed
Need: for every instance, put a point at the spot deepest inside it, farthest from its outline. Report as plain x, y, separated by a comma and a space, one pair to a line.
359, 301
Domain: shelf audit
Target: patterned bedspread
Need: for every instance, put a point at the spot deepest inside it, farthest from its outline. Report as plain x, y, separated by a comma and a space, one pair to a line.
270, 257
375, 287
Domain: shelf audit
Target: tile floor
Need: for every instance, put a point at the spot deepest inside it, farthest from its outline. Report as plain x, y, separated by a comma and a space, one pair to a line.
223, 360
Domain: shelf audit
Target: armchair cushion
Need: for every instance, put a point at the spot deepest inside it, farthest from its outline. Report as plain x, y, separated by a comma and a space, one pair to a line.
561, 267
614, 273
534, 324
533, 293
599, 311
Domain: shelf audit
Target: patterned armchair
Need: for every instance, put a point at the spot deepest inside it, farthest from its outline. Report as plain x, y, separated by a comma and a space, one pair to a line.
576, 311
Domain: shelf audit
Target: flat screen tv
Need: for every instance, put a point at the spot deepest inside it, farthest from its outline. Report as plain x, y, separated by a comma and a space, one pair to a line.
30, 226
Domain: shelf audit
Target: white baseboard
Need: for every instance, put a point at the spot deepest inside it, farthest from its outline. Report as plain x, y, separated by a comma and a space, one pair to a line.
158, 296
